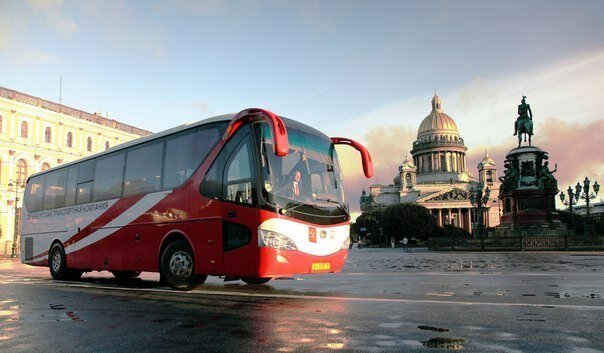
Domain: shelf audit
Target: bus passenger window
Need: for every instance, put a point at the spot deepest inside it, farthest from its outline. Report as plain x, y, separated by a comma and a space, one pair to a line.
84, 193
239, 176
143, 169
54, 189
71, 186
34, 193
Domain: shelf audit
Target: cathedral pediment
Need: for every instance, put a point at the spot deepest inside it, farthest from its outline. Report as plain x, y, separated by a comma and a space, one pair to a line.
450, 194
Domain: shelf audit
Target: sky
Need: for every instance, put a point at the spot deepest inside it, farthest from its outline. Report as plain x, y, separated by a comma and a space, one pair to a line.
360, 69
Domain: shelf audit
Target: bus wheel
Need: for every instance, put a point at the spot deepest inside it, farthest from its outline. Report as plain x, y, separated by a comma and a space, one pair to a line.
125, 274
255, 280
178, 268
58, 265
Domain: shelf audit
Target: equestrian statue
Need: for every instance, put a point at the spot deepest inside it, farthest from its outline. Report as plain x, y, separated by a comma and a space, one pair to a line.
524, 122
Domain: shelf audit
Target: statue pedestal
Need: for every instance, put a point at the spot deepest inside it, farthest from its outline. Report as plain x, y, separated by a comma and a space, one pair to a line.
528, 195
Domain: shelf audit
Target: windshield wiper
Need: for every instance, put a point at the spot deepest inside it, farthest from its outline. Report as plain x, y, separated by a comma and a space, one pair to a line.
284, 210
340, 206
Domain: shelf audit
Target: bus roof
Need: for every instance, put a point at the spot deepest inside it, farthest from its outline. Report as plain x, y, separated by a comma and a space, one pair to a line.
219, 118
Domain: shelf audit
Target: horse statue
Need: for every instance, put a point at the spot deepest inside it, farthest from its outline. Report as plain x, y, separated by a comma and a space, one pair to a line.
525, 126
524, 122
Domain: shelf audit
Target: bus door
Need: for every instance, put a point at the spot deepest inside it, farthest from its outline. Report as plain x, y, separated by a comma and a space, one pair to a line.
239, 209
232, 180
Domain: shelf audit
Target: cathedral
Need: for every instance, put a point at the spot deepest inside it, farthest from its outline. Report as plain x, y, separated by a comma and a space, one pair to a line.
438, 178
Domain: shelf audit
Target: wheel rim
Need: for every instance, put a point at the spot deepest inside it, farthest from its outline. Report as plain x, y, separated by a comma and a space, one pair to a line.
56, 261
181, 264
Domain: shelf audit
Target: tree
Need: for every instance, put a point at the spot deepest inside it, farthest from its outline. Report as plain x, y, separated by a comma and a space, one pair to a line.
451, 231
408, 220
578, 221
369, 220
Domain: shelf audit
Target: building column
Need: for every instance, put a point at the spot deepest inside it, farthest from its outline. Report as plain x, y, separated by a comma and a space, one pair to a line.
449, 215
468, 220
439, 218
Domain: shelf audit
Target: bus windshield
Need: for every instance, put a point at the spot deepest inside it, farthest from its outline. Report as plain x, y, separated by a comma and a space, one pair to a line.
307, 183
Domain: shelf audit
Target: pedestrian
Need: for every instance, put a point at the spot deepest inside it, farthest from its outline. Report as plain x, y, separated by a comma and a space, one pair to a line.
405, 242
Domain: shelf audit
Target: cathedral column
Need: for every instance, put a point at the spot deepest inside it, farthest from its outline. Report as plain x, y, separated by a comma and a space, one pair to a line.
439, 218
467, 220
449, 216
459, 218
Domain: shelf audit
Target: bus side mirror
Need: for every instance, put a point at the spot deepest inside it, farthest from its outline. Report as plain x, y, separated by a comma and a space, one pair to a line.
365, 156
277, 127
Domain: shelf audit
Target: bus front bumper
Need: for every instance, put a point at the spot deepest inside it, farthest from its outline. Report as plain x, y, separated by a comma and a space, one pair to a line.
282, 263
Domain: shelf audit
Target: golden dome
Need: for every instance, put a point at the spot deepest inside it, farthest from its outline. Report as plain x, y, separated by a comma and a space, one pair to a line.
437, 122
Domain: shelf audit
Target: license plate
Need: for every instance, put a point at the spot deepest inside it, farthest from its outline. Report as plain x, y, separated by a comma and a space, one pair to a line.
321, 266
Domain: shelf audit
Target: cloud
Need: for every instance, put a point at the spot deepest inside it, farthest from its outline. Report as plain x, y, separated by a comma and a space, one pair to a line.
18, 18
202, 107
53, 13
388, 146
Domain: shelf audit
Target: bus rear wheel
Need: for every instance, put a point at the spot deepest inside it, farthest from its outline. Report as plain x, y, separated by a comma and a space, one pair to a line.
255, 280
57, 263
178, 267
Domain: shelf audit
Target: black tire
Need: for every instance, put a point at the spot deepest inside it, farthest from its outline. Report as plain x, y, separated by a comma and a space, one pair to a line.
255, 280
178, 267
122, 275
57, 263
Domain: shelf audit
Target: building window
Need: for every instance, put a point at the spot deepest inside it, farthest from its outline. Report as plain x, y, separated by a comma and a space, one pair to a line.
106, 145
24, 129
89, 144
69, 139
21, 172
45, 166
48, 135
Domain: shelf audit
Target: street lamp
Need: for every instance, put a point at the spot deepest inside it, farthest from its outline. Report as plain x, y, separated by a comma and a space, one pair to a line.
479, 200
16, 231
587, 196
379, 206
573, 197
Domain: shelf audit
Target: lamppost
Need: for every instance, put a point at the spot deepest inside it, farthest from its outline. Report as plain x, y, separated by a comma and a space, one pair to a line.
479, 200
587, 196
573, 197
16, 230
379, 206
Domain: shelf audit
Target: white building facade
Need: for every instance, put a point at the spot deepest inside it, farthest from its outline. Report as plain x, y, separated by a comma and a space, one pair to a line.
36, 134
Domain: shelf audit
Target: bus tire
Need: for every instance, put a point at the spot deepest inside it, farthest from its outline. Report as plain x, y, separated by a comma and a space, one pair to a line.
255, 280
178, 267
122, 275
57, 262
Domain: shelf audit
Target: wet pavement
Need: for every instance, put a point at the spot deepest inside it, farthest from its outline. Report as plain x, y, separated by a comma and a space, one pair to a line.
383, 301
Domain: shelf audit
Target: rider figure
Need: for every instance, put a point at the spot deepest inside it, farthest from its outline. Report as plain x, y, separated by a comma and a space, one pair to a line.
524, 112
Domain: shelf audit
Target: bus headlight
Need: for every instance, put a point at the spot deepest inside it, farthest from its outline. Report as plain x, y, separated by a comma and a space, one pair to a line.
346, 244
275, 240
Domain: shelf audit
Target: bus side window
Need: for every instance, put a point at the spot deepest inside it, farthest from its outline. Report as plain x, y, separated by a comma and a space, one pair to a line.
54, 189
238, 175
71, 186
186, 151
84, 193
34, 193
108, 177
143, 169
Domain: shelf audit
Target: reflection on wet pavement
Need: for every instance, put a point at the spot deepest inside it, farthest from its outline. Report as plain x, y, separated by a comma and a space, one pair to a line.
445, 343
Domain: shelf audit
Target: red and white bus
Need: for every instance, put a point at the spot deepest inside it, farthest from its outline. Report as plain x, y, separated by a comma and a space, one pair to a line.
250, 196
